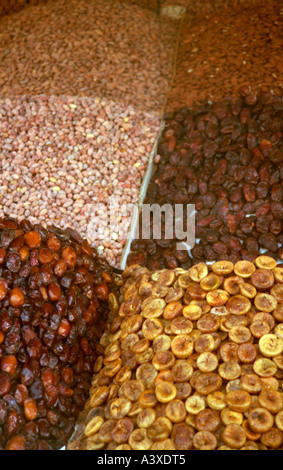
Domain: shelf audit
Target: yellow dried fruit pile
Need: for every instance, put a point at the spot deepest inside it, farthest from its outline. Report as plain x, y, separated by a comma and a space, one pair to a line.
192, 360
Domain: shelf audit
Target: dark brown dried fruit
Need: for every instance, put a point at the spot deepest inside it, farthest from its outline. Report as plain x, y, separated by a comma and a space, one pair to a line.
50, 324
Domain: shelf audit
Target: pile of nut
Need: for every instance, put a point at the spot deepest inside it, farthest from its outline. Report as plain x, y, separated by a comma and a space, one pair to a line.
192, 360
53, 309
226, 159
85, 48
63, 158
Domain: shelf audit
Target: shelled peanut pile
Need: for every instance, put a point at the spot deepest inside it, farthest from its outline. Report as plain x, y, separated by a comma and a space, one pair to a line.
62, 158
192, 360
82, 87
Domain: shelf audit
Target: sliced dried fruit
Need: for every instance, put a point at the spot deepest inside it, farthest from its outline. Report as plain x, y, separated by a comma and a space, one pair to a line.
244, 268
265, 302
260, 420
265, 262
270, 345
238, 305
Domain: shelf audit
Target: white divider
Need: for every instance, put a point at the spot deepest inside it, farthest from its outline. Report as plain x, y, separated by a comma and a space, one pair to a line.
142, 194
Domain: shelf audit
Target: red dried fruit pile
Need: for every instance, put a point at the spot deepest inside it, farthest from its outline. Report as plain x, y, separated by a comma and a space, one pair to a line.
226, 158
53, 308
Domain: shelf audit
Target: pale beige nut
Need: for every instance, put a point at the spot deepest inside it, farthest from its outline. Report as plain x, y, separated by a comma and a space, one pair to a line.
165, 277
179, 326
174, 294
278, 274
172, 310
147, 399
279, 420
146, 373
182, 371
163, 360
239, 334
164, 444
247, 290
99, 396
205, 440
133, 389
94, 442
207, 382
271, 400
232, 284
145, 356
204, 343
122, 430
277, 292
161, 343
184, 280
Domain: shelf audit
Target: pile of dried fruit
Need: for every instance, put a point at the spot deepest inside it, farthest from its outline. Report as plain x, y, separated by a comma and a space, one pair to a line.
225, 158
53, 309
192, 360
225, 45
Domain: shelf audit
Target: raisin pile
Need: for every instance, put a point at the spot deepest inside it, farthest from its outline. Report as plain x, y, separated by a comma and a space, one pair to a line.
226, 158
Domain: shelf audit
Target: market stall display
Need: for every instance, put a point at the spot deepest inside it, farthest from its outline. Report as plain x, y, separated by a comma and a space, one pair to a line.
127, 102
191, 360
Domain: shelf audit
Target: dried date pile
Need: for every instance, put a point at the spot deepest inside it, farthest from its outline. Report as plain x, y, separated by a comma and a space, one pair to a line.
192, 360
53, 309
226, 158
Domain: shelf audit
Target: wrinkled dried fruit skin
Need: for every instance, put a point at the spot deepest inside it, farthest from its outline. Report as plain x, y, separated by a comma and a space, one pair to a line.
236, 186
50, 325
200, 372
